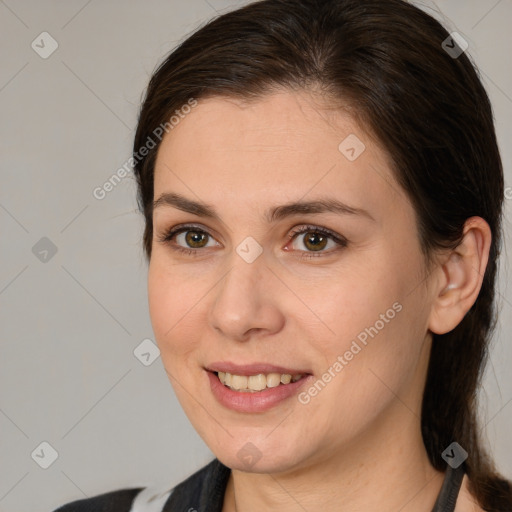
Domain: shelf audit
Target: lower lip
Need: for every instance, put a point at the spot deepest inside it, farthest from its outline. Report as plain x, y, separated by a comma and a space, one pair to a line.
258, 401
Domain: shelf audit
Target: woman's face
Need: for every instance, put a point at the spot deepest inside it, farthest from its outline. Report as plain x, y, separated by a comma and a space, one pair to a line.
350, 310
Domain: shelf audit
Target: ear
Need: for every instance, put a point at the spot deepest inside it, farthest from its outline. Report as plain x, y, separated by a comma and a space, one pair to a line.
460, 277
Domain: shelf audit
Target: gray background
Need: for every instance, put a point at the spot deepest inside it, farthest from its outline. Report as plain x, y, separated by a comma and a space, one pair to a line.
69, 325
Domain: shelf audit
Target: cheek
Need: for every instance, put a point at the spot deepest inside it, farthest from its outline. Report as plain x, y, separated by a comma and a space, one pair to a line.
360, 380
375, 312
353, 298
380, 331
174, 301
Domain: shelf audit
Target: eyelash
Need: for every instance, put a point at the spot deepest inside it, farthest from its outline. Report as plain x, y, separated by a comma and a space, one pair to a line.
168, 235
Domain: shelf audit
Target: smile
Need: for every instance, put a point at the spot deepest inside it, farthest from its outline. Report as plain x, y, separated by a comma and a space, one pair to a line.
255, 383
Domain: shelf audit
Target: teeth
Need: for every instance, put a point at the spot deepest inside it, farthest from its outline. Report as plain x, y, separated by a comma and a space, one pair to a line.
256, 382
286, 378
239, 382
273, 380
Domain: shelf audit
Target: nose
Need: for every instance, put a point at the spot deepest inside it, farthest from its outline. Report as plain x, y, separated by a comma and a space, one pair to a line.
246, 301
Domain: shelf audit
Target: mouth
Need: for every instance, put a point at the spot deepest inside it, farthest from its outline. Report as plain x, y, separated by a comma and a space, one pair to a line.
258, 382
255, 388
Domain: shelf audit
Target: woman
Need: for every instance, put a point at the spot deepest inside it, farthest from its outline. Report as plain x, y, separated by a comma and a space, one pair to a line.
322, 192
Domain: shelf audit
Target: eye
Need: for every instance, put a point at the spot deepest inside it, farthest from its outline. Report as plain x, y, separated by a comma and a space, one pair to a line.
190, 239
317, 240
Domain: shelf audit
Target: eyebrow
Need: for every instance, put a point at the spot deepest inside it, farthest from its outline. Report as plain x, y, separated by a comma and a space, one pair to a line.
276, 213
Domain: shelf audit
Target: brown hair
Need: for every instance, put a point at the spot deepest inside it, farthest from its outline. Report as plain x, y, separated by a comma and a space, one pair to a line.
427, 108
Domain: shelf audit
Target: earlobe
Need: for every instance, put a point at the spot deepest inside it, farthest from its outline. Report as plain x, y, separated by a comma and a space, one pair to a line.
461, 278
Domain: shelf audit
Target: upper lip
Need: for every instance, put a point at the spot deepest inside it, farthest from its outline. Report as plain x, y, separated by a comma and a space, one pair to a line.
252, 369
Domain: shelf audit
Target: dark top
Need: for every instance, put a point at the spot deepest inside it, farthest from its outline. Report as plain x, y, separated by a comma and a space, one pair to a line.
204, 492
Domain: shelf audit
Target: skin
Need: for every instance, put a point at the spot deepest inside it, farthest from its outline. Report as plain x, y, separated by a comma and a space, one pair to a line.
357, 444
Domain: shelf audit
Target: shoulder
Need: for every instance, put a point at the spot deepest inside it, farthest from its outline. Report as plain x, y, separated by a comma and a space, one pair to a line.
114, 501
201, 491
466, 502
205, 485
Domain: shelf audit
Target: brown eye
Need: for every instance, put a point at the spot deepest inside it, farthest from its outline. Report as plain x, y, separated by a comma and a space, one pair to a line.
315, 240
187, 239
196, 239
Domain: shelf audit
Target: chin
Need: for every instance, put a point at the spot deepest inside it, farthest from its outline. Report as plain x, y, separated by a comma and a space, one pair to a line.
259, 456
257, 465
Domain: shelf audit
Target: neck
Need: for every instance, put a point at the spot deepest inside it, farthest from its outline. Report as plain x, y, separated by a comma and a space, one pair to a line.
386, 469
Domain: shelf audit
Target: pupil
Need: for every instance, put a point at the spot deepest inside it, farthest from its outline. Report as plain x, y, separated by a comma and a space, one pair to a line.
193, 237
317, 240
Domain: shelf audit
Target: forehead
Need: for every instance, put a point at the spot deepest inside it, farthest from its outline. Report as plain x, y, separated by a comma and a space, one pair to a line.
285, 145
281, 121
